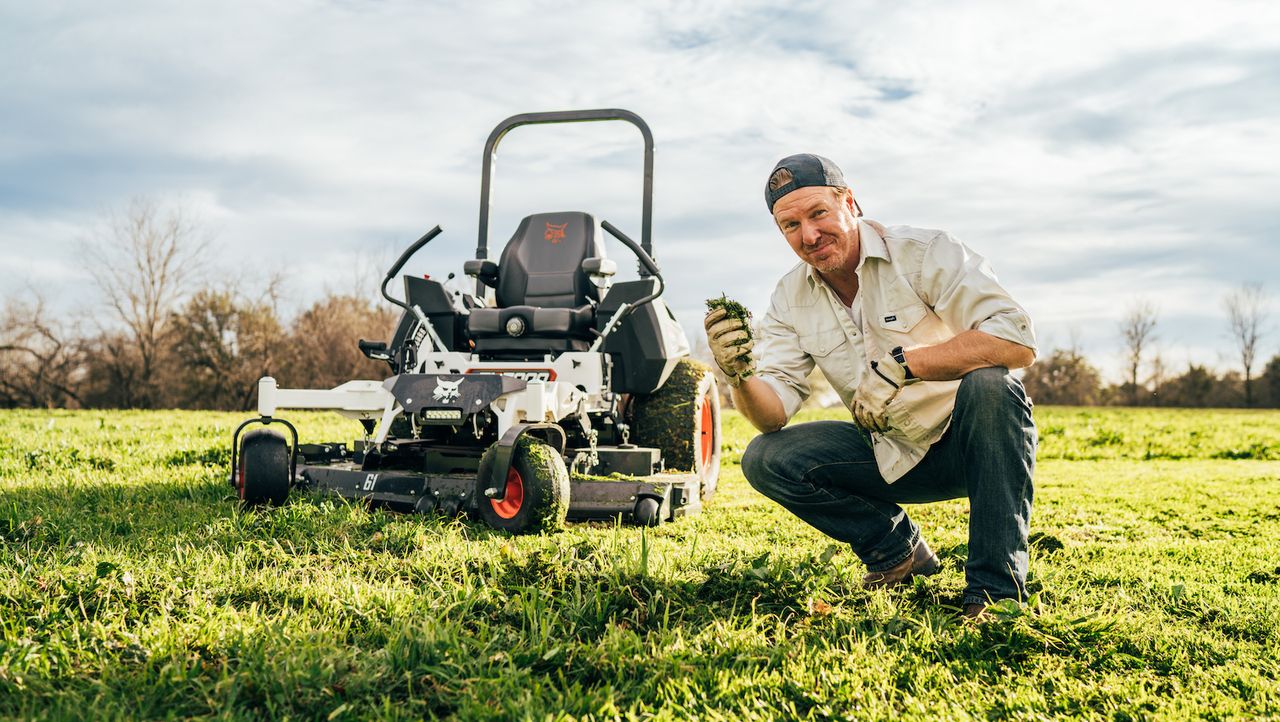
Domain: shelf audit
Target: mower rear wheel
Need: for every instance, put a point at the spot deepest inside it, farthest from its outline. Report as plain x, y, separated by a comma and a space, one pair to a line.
682, 420
263, 476
535, 497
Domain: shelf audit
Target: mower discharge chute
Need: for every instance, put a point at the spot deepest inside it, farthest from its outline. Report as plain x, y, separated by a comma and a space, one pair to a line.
551, 393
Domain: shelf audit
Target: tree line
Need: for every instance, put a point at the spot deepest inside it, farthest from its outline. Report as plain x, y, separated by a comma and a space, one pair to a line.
163, 335
1065, 376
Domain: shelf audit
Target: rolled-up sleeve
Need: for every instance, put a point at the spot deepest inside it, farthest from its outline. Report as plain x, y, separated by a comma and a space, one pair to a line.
963, 290
780, 362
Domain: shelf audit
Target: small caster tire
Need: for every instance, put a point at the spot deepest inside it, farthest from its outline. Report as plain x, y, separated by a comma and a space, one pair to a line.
647, 511
263, 473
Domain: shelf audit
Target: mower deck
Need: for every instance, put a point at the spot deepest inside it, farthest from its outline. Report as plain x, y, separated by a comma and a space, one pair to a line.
450, 494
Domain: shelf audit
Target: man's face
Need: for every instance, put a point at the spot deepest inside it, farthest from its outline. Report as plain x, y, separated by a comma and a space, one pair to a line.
821, 227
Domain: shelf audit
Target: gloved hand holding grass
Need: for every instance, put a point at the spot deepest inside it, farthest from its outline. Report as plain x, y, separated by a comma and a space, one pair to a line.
728, 325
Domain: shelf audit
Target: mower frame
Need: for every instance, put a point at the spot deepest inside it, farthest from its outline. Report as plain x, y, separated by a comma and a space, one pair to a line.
507, 399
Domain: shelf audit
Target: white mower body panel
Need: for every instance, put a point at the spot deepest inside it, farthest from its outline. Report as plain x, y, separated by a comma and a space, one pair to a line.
570, 385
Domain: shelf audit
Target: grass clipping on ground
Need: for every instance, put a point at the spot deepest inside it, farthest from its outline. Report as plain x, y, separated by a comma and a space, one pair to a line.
736, 310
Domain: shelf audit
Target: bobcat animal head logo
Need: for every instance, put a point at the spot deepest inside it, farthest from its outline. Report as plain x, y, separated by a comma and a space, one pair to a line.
555, 233
446, 391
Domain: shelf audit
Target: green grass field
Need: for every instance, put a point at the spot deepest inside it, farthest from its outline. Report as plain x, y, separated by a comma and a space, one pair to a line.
132, 586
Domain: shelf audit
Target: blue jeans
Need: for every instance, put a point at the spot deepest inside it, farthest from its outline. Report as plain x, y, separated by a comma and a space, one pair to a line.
825, 473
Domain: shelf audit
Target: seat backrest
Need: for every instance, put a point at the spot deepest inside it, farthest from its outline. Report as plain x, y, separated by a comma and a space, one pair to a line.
542, 263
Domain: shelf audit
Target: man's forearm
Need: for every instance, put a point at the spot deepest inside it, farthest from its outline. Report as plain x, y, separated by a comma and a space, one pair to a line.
758, 402
968, 351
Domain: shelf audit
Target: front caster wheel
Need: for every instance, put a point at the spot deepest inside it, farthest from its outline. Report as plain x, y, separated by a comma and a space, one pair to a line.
263, 476
647, 511
535, 497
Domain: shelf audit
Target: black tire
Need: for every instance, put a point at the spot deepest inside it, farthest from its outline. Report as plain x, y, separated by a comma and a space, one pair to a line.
536, 497
263, 476
682, 420
646, 511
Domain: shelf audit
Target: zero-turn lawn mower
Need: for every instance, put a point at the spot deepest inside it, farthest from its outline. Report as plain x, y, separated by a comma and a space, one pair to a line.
550, 393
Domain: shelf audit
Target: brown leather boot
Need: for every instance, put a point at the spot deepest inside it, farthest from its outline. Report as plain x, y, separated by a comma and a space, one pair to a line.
976, 611
922, 562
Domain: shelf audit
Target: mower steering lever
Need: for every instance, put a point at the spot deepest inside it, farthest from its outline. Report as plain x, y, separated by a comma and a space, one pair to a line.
404, 258
645, 260
408, 252
395, 268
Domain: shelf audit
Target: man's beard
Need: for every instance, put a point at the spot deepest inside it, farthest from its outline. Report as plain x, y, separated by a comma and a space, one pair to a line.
832, 262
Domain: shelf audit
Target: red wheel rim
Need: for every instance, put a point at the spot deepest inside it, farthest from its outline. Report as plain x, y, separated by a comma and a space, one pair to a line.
706, 435
512, 498
240, 478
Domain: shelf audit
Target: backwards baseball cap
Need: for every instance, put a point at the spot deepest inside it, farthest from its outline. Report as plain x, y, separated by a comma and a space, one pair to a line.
801, 171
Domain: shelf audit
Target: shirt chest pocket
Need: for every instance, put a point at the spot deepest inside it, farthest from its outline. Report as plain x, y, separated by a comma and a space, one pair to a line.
820, 344
830, 350
902, 309
902, 319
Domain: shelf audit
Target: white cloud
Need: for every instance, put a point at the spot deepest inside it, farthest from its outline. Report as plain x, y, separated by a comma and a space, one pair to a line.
1093, 151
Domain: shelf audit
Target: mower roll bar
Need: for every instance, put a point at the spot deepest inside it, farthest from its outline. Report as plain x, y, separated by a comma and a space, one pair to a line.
569, 116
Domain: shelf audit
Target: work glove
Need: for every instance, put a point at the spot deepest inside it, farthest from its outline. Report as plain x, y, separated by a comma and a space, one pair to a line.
879, 387
731, 343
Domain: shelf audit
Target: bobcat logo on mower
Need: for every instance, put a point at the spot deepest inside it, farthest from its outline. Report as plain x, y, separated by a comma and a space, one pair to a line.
555, 232
446, 391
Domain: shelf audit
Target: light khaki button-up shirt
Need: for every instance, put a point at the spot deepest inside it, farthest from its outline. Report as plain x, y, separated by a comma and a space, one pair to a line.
917, 287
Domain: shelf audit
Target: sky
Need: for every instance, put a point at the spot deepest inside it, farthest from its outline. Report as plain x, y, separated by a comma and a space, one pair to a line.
1099, 154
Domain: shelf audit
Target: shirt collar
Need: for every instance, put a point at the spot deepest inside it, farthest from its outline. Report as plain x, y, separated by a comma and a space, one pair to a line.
871, 245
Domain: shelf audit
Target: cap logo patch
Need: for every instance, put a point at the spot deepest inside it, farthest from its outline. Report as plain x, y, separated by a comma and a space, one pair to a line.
555, 232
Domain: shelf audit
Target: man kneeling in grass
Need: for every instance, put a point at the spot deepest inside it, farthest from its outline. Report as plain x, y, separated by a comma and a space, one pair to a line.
916, 334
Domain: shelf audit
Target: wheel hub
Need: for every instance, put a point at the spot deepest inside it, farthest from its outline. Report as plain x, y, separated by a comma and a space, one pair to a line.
706, 436
512, 497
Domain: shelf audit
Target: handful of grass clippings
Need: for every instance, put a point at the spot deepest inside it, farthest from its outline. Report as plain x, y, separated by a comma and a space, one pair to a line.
735, 310
731, 307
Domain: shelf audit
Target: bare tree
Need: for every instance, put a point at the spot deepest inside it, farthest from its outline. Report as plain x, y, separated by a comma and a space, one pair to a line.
40, 358
1246, 313
1159, 377
322, 349
1137, 328
226, 343
143, 264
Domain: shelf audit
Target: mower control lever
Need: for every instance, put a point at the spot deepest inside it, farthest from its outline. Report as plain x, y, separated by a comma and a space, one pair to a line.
408, 252
417, 312
645, 260
626, 309
376, 350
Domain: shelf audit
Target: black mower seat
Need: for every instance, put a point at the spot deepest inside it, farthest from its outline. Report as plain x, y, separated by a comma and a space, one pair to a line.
542, 291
